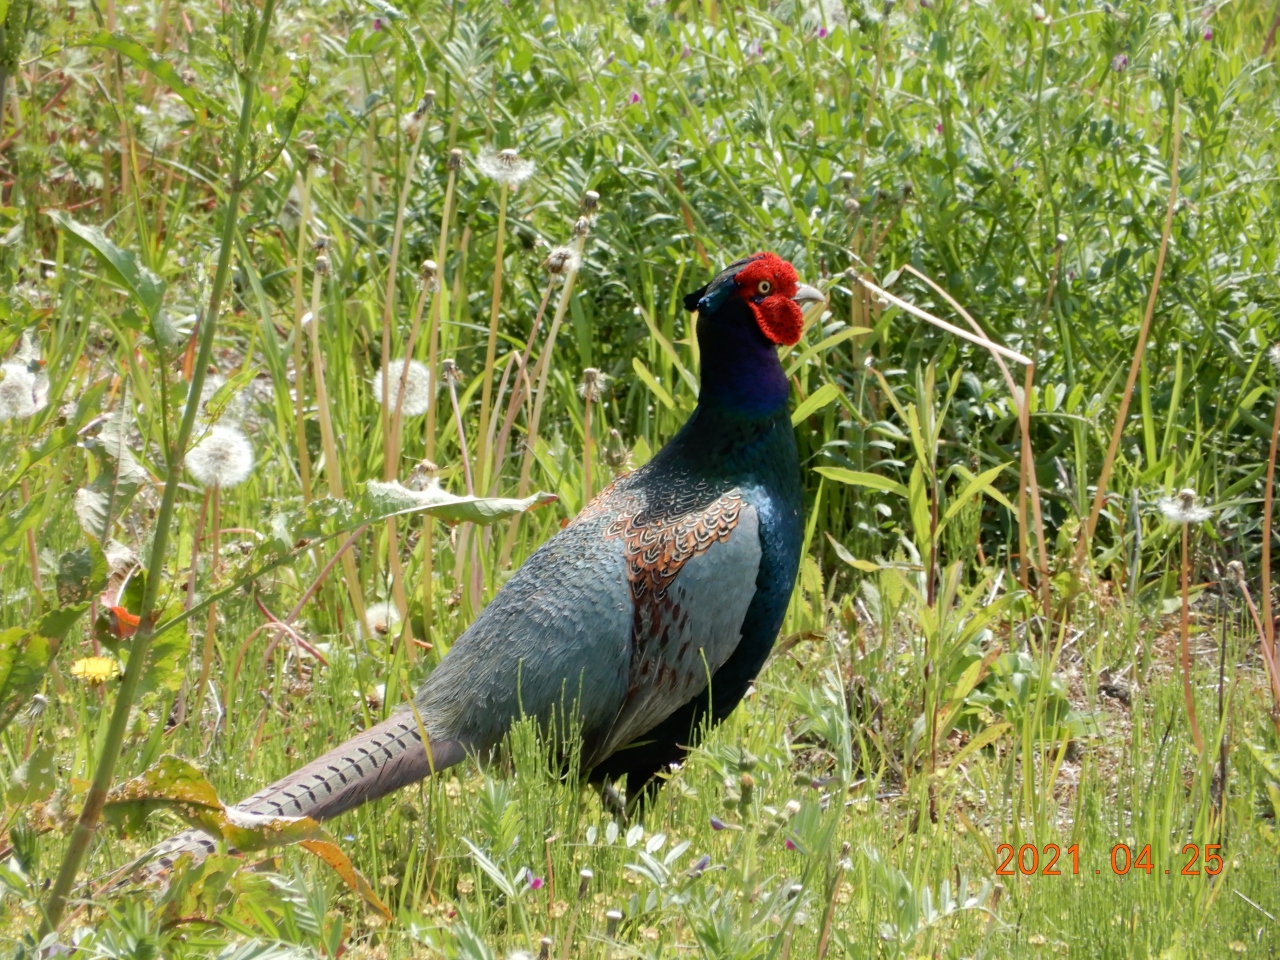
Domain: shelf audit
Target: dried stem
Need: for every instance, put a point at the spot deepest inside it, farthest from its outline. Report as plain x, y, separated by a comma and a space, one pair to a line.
1268, 652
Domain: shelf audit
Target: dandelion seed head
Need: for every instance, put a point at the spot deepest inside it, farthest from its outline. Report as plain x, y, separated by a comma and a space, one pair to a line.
450, 373
381, 619
314, 156
590, 201
17, 392
562, 260
456, 159
852, 207
417, 386
582, 226
1184, 507
323, 266
411, 124
429, 274
593, 383
1235, 570
505, 167
1273, 354
224, 458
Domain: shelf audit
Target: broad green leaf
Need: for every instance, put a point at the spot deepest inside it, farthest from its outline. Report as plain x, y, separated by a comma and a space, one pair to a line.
81, 574
979, 484
24, 659
652, 383
866, 566
125, 269
35, 778
918, 503
14, 527
158, 67
816, 401
857, 478
286, 114
822, 346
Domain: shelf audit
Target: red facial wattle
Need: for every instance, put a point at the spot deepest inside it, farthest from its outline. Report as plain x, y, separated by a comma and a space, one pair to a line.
767, 284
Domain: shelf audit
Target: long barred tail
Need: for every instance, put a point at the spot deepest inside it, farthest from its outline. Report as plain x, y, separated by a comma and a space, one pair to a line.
370, 765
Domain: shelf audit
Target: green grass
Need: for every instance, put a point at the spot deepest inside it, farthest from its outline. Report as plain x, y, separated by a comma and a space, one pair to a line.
1019, 156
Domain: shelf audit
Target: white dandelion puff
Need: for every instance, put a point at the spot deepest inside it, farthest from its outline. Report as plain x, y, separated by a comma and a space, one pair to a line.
562, 260
223, 458
381, 619
1274, 355
417, 386
1184, 507
17, 392
593, 384
504, 166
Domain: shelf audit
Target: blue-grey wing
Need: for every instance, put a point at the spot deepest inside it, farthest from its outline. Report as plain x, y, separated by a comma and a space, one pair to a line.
689, 616
555, 637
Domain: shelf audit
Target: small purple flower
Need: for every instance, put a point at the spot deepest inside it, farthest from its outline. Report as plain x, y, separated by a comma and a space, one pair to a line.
634, 98
1120, 63
791, 844
685, 52
938, 128
760, 49
535, 883
717, 824
704, 861
377, 24
1208, 34
822, 33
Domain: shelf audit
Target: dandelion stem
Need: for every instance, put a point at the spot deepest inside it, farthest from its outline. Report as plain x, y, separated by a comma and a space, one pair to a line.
1185, 643
490, 353
211, 616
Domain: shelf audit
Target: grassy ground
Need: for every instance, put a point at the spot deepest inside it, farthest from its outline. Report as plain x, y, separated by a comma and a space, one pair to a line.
954, 673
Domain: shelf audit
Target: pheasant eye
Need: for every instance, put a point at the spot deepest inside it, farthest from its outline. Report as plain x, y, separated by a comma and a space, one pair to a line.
763, 287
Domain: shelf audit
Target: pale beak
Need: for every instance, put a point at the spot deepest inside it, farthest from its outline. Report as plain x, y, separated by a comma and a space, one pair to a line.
806, 294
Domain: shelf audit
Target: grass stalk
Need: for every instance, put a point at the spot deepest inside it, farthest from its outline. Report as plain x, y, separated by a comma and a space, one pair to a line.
1122, 414
105, 768
33, 555
299, 358
332, 465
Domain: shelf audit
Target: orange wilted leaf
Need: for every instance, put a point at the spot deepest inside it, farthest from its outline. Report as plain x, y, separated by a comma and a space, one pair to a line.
123, 623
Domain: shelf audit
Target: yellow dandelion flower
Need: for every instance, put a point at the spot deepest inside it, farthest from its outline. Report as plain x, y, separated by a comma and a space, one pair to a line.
95, 670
